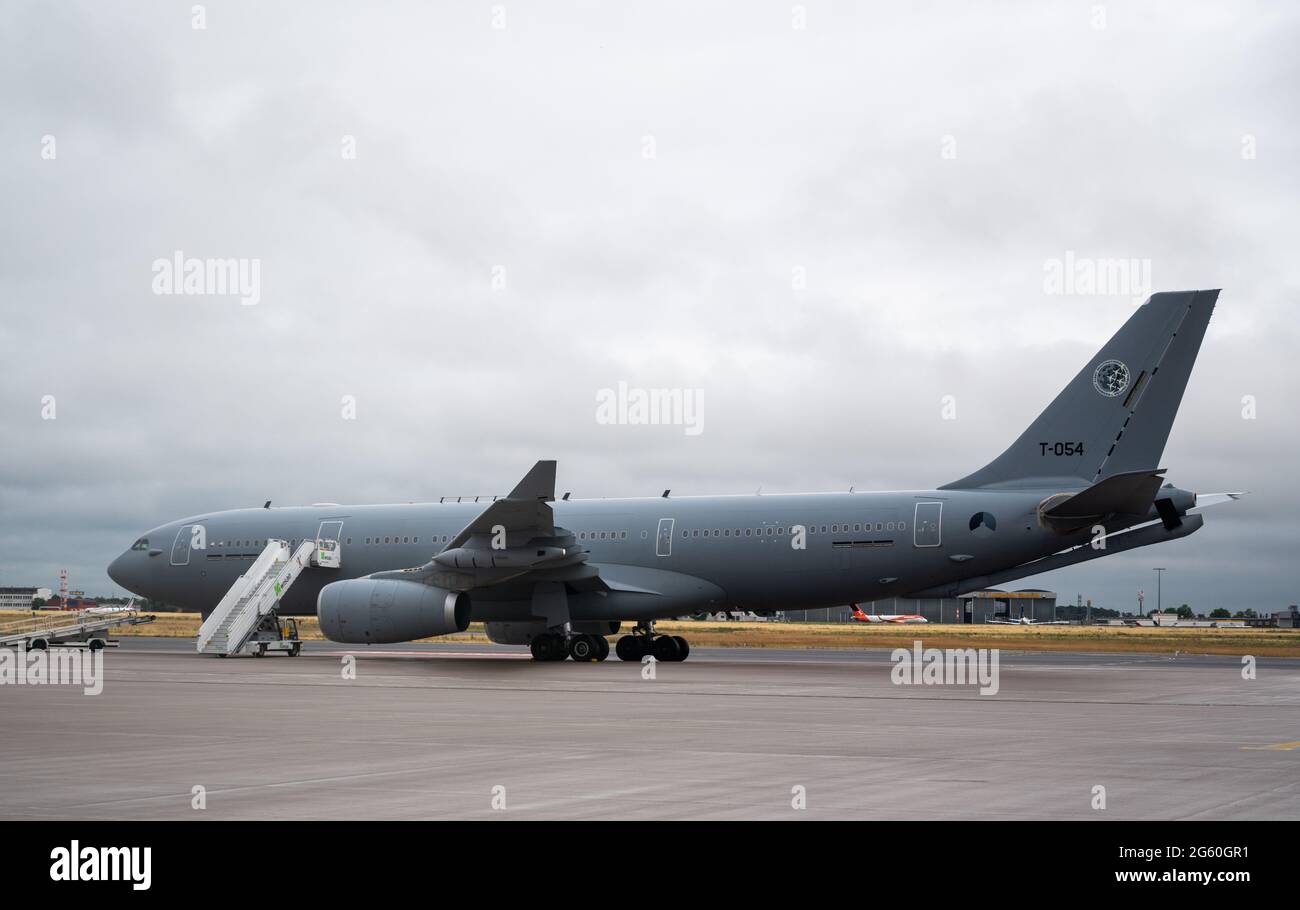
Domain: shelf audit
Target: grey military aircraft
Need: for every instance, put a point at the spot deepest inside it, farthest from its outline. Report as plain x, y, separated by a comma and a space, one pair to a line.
1083, 481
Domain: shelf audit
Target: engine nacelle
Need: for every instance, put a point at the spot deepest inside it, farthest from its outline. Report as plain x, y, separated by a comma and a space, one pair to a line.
522, 633
382, 611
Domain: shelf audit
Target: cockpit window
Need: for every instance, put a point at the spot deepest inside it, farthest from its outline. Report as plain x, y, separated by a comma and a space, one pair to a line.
141, 544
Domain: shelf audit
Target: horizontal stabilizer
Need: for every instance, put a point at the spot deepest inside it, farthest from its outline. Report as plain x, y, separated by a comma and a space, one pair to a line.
1205, 500
1130, 493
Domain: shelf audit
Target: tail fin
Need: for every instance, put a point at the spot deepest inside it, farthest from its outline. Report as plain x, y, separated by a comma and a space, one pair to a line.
1115, 416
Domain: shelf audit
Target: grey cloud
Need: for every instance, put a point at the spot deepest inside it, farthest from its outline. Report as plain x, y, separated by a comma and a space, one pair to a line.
522, 148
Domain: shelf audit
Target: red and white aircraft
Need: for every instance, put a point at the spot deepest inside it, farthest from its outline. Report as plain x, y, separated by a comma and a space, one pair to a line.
899, 618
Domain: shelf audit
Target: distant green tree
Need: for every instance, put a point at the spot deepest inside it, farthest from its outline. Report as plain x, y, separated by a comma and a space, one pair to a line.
38, 602
1220, 613
1185, 612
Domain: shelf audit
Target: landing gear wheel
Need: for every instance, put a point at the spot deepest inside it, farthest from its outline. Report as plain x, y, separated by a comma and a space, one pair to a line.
583, 648
602, 647
547, 647
629, 647
665, 648
683, 646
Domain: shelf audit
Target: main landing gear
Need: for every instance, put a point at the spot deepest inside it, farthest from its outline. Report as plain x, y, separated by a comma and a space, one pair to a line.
644, 641
593, 648
582, 648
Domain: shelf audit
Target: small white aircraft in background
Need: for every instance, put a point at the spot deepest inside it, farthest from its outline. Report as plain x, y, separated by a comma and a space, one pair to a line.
105, 611
1024, 621
896, 618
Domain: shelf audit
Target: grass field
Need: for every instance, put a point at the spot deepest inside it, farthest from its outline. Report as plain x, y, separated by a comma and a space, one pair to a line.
1258, 642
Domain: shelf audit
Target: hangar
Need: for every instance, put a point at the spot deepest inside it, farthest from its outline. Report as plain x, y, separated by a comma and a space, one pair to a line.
976, 607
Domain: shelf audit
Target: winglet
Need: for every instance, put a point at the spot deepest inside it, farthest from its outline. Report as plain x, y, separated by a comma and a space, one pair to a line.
538, 483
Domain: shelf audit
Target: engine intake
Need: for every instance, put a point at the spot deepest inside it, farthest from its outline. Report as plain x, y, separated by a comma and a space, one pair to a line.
382, 611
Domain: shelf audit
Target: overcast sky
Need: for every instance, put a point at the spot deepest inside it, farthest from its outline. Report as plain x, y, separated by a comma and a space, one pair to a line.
473, 218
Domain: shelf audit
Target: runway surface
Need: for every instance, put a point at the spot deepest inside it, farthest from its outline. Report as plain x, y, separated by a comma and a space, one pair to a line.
433, 731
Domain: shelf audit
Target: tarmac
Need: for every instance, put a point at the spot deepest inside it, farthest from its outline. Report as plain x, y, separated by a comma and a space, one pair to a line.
448, 731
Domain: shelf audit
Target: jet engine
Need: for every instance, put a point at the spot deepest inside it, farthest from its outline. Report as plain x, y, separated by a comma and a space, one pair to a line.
381, 611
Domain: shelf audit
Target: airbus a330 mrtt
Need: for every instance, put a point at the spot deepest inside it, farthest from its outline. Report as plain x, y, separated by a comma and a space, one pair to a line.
559, 576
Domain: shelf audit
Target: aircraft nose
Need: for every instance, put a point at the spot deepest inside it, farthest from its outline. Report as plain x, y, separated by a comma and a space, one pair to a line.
128, 571
117, 570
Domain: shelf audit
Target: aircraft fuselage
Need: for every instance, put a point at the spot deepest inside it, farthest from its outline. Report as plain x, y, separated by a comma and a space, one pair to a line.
855, 547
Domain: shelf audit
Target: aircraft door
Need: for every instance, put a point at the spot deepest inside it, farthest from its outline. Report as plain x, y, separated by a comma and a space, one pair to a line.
185, 538
926, 526
664, 537
328, 544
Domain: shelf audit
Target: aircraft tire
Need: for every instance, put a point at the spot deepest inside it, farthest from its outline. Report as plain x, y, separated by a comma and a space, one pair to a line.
683, 646
602, 647
583, 648
543, 647
665, 648
628, 648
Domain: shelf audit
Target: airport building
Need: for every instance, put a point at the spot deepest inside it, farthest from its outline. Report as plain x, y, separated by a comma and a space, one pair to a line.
976, 607
21, 598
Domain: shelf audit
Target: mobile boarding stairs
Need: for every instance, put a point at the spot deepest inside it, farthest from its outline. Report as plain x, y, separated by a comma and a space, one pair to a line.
246, 619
